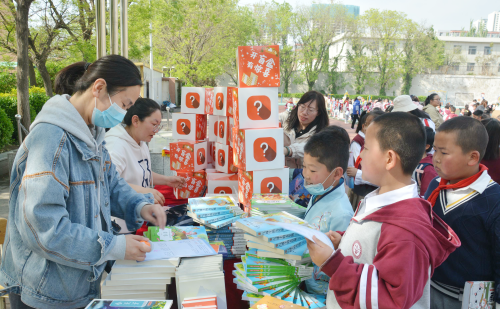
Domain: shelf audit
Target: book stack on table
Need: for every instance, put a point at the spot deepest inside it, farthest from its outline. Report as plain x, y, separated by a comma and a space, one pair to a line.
264, 204
276, 262
215, 212
139, 280
201, 277
209, 302
232, 239
129, 304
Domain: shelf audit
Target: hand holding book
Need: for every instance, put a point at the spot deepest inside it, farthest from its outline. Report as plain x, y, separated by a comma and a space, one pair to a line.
154, 214
135, 248
319, 251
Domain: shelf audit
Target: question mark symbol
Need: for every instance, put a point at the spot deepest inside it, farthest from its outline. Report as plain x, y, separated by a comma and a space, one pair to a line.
192, 99
183, 125
270, 185
222, 192
260, 106
266, 146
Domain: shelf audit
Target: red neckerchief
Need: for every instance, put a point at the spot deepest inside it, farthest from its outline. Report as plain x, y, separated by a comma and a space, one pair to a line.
461, 184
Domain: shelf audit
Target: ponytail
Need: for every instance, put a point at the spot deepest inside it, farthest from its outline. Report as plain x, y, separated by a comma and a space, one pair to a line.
429, 98
361, 122
117, 71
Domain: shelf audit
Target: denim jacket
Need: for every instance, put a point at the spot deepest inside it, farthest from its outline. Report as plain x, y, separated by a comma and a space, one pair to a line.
59, 236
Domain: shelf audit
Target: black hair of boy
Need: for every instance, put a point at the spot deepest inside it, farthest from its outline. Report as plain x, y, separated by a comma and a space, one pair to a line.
493, 129
429, 138
470, 134
404, 134
364, 116
330, 147
478, 113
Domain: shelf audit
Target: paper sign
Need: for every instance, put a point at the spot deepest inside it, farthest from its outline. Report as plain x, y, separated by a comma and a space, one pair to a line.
179, 248
258, 66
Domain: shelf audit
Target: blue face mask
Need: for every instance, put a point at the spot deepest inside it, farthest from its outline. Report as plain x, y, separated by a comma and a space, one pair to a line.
108, 118
318, 189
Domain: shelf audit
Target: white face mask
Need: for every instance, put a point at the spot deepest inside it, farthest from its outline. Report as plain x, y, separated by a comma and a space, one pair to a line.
108, 118
318, 189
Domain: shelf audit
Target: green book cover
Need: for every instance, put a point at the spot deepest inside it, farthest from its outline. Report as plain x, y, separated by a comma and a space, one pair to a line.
170, 233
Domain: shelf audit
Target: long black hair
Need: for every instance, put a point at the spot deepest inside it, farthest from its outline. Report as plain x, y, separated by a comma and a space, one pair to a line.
321, 121
429, 98
117, 71
493, 128
142, 108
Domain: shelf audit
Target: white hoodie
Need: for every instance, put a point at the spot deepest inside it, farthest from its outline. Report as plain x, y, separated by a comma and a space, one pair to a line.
132, 161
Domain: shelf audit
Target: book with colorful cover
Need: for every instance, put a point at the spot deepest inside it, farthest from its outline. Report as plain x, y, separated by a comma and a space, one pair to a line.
286, 249
276, 243
259, 227
170, 233
129, 304
275, 303
297, 254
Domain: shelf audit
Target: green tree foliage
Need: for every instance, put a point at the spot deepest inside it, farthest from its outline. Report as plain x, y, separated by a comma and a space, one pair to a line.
6, 129
197, 38
359, 61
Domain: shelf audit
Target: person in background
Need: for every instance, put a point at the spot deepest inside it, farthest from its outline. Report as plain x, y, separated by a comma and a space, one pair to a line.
477, 114
432, 102
450, 113
354, 173
356, 111
468, 200
491, 157
346, 110
425, 172
127, 145
308, 117
403, 103
325, 161
64, 189
467, 113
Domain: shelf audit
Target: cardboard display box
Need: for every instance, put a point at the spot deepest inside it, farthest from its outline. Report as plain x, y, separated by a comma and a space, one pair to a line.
224, 135
195, 182
258, 149
209, 101
267, 181
188, 156
258, 66
256, 108
193, 100
224, 159
191, 127
223, 104
222, 183
213, 128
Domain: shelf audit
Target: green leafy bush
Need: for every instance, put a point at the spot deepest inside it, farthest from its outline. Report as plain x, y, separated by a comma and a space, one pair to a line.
6, 129
8, 82
9, 104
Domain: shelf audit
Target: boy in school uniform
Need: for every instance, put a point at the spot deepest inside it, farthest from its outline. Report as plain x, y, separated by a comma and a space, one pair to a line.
468, 200
388, 253
325, 160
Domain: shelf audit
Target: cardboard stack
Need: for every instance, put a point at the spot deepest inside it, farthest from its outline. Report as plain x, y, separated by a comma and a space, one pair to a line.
257, 137
201, 277
190, 155
276, 262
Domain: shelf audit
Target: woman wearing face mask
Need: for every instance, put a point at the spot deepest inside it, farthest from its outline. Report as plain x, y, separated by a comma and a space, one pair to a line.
129, 152
64, 189
308, 117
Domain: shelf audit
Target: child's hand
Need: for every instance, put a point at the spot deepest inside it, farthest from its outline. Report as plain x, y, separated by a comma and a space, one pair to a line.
135, 248
351, 171
319, 251
335, 238
176, 182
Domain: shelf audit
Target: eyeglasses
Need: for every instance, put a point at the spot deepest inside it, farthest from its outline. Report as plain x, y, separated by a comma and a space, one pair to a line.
304, 109
157, 127
438, 99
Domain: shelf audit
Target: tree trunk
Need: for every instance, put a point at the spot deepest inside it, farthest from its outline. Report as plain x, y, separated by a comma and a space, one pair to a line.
22, 34
382, 91
407, 79
47, 82
310, 84
32, 75
286, 83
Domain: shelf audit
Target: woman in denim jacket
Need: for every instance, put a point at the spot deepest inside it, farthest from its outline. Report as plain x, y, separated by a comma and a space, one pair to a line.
64, 190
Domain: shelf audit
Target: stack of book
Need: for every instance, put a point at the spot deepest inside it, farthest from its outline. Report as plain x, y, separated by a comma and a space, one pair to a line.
214, 212
139, 280
201, 277
209, 302
232, 239
264, 204
129, 304
269, 302
276, 262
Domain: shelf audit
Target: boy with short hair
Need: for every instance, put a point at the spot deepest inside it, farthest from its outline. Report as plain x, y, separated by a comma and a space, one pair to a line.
468, 200
387, 254
325, 161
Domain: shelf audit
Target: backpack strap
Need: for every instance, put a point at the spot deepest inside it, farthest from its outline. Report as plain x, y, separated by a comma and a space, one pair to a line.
419, 171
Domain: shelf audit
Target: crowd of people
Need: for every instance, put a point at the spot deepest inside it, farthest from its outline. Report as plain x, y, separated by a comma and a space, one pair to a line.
411, 204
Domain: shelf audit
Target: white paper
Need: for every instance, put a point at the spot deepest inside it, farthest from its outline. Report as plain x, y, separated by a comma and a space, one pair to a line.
304, 231
179, 248
165, 234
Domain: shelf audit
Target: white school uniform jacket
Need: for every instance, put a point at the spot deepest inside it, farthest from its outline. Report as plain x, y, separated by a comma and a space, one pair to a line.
388, 253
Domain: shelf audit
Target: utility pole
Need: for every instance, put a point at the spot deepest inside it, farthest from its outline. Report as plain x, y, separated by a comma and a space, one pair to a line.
124, 28
113, 14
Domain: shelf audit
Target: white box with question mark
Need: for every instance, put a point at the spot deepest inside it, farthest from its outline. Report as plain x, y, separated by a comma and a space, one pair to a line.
256, 108
222, 183
258, 149
191, 127
213, 128
193, 100
268, 181
224, 159
224, 135
223, 104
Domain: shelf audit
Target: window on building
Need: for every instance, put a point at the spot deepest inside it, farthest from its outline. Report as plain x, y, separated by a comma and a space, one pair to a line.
487, 50
470, 67
455, 66
457, 49
472, 50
